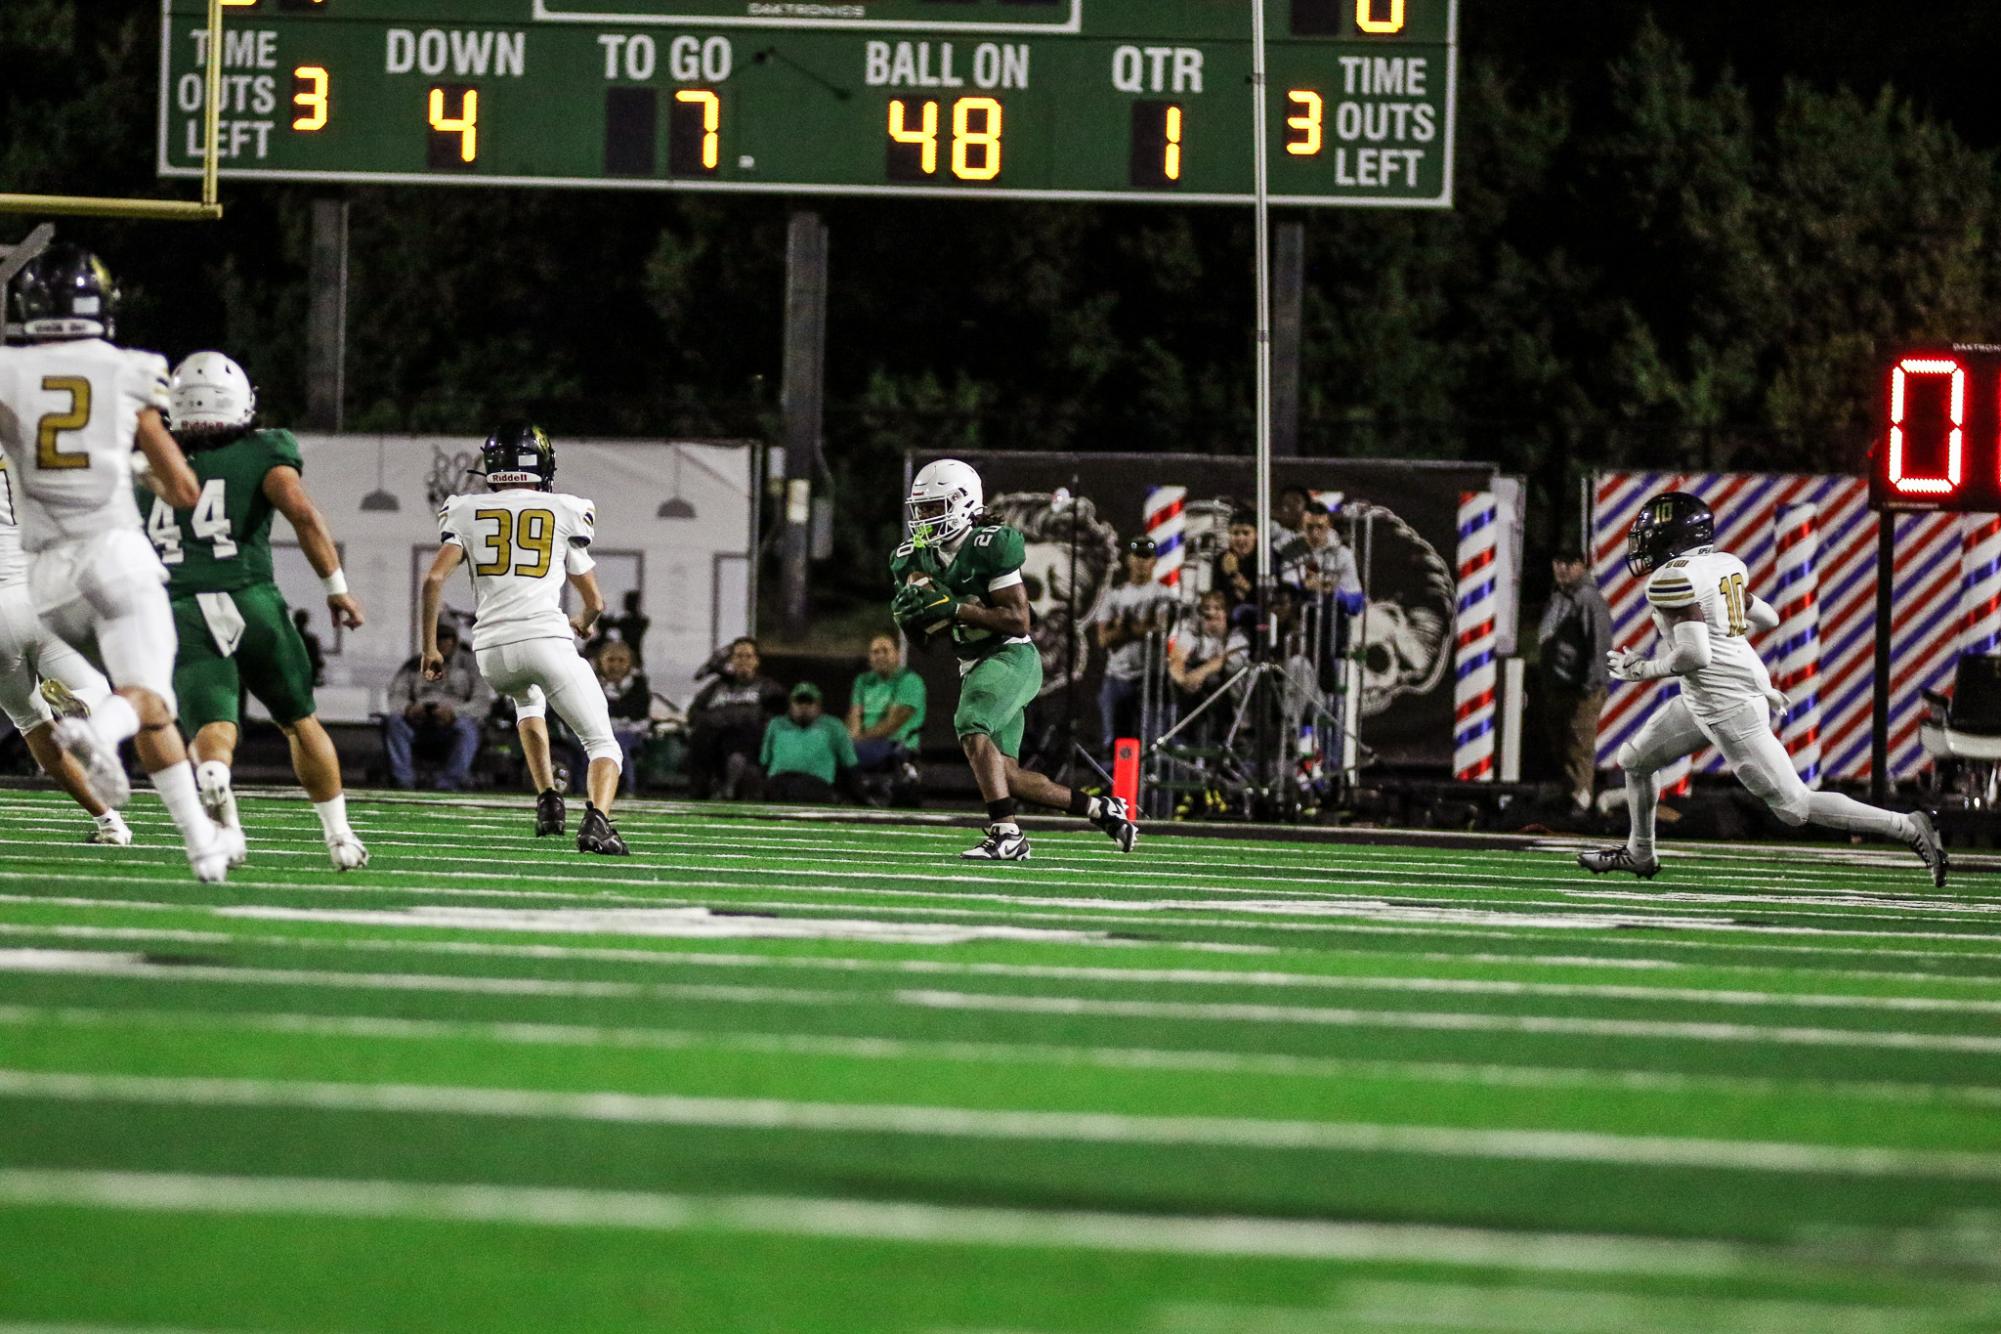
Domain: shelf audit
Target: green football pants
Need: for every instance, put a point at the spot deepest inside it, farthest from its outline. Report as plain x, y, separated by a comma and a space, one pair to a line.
995, 695
270, 662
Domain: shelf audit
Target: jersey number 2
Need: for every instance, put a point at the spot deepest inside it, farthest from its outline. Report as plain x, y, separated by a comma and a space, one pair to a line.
49, 452
1732, 589
534, 531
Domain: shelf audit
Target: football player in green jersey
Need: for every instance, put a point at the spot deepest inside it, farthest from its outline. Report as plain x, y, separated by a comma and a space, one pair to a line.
957, 576
236, 633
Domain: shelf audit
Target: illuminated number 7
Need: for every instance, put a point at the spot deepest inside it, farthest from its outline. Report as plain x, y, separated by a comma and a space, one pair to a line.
925, 135
1307, 122
1955, 437
465, 124
712, 121
1366, 20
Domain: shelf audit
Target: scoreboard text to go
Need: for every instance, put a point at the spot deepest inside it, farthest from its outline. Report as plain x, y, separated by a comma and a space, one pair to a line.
1938, 446
1144, 99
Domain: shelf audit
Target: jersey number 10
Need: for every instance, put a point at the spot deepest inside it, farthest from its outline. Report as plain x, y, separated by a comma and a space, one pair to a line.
1732, 589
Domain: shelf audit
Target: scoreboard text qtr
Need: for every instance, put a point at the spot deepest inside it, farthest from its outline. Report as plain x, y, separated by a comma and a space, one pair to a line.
1938, 442
1064, 99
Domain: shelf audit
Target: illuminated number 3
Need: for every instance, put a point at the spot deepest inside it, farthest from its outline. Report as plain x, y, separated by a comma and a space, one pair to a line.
1307, 122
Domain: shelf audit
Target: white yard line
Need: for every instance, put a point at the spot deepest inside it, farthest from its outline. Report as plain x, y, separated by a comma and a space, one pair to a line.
78, 963
918, 1224
775, 1114
889, 1049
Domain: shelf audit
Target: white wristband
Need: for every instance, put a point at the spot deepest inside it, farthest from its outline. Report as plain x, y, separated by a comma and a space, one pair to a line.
335, 583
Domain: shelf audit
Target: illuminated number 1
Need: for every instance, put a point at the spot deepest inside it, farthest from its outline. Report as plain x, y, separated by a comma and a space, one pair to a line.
1170, 160
1307, 122
309, 84
1366, 20
712, 121
966, 139
925, 135
1955, 436
465, 124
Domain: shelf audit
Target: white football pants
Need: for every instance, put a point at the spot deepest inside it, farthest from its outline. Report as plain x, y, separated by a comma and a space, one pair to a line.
1759, 760
106, 597
534, 670
28, 652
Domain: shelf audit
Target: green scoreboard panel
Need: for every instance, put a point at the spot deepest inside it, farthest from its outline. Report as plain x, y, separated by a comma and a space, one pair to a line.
1042, 99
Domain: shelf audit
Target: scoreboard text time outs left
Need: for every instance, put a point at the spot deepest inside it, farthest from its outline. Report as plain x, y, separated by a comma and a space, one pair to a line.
1052, 99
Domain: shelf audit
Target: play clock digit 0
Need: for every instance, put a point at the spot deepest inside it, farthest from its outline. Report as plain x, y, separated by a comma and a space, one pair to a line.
1047, 99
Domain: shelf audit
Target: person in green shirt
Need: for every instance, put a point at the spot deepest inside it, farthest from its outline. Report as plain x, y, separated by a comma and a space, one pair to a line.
236, 633
959, 577
805, 752
885, 707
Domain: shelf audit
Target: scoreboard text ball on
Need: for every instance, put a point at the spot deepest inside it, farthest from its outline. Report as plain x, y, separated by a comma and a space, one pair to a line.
1938, 441
1050, 99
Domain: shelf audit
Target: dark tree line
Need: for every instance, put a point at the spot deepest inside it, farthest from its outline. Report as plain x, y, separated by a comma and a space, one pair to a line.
1647, 264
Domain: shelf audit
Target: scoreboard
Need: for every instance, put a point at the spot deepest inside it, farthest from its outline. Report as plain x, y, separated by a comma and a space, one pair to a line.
1938, 439
1044, 99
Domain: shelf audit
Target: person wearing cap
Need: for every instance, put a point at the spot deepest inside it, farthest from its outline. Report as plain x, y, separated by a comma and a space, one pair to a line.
805, 753
1133, 610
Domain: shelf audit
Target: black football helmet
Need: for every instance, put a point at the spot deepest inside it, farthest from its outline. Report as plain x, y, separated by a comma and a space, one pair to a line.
520, 453
64, 292
1669, 524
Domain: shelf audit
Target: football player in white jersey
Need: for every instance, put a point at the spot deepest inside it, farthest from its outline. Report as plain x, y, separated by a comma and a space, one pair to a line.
30, 655
1704, 612
72, 408
525, 541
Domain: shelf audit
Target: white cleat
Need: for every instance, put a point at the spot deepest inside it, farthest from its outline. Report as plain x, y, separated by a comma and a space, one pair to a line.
999, 846
346, 853
111, 831
211, 862
218, 798
1930, 850
101, 767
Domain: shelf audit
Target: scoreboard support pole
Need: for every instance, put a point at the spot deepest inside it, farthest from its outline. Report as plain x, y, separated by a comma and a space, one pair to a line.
803, 398
1879, 745
326, 318
1288, 301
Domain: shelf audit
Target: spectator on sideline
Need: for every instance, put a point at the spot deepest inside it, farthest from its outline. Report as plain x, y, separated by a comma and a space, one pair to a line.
630, 699
316, 654
805, 752
628, 627
1132, 610
1575, 636
885, 708
726, 721
1322, 566
1288, 525
1236, 565
1200, 659
452, 708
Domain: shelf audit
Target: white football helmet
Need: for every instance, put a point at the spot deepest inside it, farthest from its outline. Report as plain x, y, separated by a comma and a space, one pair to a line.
210, 393
944, 498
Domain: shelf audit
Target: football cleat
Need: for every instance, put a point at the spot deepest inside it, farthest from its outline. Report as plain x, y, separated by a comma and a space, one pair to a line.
346, 852
1115, 819
110, 831
549, 815
1930, 851
101, 766
1009, 845
222, 849
598, 836
62, 701
1621, 858
218, 798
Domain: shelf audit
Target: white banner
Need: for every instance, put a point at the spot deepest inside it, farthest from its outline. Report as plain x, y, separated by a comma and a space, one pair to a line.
691, 571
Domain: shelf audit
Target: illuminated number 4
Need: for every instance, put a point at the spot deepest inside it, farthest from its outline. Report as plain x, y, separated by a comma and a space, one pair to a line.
465, 124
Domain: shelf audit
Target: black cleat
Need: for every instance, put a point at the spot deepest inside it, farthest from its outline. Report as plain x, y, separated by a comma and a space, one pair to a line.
1618, 859
598, 836
1114, 820
549, 815
1930, 851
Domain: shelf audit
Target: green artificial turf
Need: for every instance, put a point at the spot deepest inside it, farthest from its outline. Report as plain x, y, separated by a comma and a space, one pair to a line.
818, 1074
